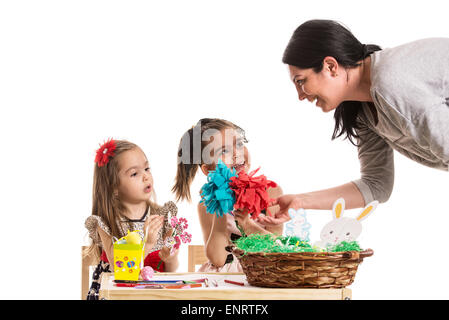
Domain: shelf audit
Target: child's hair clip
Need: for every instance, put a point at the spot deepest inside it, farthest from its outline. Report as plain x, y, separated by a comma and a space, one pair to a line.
105, 152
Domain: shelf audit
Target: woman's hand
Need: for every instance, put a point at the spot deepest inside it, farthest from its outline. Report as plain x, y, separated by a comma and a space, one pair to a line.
152, 226
284, 202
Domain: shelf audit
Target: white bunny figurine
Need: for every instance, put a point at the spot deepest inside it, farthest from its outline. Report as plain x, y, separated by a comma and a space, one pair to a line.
298, 225
343, 228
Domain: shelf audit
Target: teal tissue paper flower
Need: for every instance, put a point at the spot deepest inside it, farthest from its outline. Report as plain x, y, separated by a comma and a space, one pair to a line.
216, 194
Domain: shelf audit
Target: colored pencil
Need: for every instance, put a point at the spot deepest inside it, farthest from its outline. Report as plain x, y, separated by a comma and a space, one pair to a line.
234, 282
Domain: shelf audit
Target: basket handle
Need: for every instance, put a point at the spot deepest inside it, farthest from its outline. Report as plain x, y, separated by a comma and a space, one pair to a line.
355, 255
366, 253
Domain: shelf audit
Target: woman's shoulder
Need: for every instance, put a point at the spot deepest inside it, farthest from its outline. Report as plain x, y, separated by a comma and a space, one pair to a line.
409, 62
408, 79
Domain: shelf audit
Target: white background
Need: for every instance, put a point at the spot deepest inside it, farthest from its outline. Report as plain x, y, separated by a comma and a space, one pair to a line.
73, 73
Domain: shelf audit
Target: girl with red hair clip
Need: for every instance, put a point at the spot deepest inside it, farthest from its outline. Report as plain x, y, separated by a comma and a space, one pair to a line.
124, 200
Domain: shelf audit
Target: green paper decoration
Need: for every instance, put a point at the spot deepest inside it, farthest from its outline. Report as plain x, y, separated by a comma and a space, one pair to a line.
270, 243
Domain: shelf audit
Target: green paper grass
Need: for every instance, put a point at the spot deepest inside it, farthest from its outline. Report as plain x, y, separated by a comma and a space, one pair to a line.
345, 246
271, 243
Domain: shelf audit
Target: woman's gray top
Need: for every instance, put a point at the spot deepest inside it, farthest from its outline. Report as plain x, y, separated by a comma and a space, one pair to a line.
410, 91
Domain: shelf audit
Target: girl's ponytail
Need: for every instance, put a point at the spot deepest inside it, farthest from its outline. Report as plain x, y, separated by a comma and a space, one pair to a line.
184, 177
187, 169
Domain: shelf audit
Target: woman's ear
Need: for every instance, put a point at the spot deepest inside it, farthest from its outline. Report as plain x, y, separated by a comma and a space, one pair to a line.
330, 64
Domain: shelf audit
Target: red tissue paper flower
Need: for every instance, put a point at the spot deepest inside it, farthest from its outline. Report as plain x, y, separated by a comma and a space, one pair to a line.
251, 192
105, 152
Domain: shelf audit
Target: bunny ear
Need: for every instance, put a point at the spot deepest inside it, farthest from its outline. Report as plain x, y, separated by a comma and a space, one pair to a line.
369, 208
338, 208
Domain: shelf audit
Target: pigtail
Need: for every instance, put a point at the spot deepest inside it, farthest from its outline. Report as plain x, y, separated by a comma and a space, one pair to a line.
187, 169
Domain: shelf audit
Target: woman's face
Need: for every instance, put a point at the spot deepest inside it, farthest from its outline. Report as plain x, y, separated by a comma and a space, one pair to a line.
326, 88
229, 146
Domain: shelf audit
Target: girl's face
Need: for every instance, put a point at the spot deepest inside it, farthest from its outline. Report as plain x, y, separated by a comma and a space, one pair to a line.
229, 146
326, 87
136, 181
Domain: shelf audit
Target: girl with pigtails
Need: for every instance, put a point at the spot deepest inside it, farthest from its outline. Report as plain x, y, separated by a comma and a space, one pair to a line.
201, 147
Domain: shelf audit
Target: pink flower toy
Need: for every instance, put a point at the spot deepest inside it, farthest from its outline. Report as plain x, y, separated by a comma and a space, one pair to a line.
179, 233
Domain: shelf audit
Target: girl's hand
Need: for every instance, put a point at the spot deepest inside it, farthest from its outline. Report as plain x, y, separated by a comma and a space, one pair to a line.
269, 221
246, 224
166, 253
152, 226
242, 218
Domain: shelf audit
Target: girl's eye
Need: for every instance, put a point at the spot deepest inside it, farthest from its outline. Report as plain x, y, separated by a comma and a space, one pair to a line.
348, 233
147, 169
134, 174
240, 144
331, 232
224, 151
299, 82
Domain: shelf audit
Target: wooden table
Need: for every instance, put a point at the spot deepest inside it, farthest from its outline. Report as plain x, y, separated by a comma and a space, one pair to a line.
224, 291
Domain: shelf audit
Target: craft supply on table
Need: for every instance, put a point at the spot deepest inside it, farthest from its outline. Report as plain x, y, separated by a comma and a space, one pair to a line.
234, 282
184, 286
146, 273
137, 285
128, 256
186, 281
149, 281
175, 284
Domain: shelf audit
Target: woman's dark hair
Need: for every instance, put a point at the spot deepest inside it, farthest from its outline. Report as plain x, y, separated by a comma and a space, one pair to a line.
314, 40
189, 163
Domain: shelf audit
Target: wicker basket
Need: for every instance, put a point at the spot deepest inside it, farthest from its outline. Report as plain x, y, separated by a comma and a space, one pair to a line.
300, 269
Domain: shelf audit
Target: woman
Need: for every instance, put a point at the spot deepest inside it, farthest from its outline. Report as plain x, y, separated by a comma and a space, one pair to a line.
387, 99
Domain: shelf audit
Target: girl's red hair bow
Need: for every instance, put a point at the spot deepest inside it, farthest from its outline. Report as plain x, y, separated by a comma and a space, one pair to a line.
105, 152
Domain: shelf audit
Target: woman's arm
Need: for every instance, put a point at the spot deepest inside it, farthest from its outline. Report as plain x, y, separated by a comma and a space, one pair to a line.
376, 166
376, 182
319, 200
